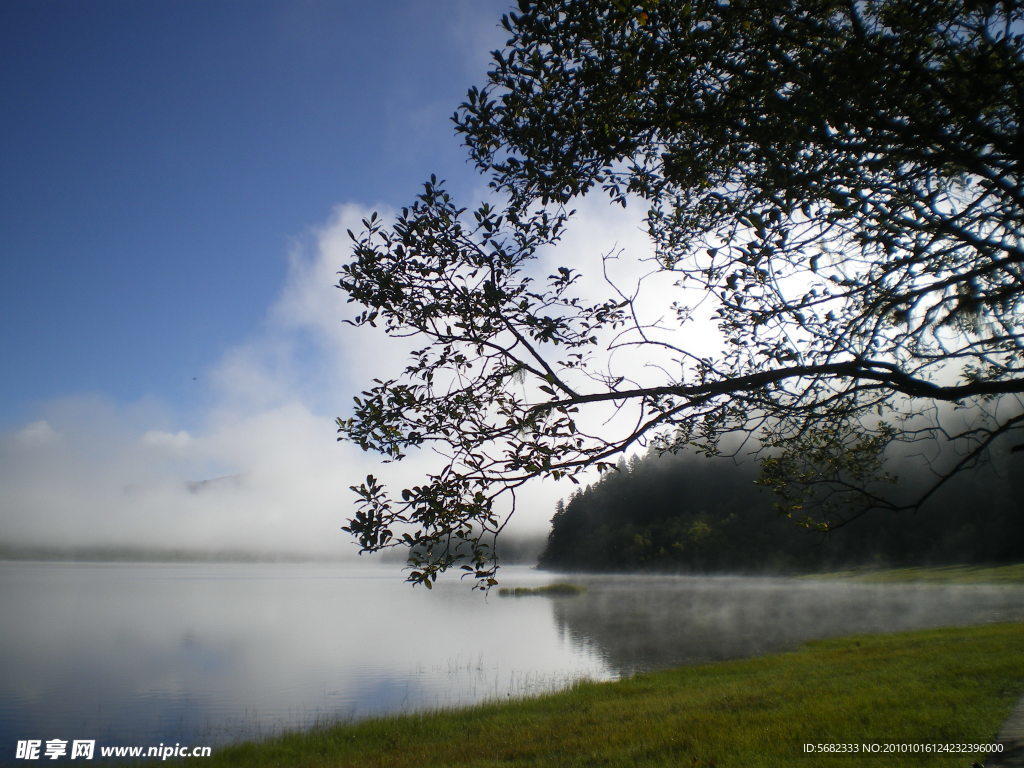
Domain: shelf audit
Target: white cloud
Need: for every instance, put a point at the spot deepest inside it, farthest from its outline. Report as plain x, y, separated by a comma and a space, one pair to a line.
601, 229
96, 472
37, 433
91, 471
175, 442
609, 247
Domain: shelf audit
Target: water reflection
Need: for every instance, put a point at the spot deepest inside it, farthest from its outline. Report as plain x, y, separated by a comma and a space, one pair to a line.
208, 653
644, 623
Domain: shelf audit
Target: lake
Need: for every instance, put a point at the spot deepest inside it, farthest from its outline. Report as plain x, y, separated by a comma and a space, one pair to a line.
212, 653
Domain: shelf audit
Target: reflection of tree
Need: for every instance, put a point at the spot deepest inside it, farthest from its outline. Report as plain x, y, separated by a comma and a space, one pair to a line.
643, 623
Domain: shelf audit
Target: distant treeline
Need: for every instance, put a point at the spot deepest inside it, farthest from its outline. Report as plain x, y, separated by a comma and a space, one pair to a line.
683, 513
141, 554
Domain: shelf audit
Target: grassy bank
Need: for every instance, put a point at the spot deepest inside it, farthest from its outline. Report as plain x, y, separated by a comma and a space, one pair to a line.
938, 686
950, 574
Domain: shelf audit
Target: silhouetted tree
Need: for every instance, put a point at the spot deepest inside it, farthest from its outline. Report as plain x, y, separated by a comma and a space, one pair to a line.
839, 181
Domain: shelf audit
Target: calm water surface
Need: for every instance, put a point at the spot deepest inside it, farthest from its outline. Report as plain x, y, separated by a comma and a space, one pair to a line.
210, 653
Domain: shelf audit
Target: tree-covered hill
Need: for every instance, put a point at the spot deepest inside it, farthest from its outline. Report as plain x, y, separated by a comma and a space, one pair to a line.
684, 513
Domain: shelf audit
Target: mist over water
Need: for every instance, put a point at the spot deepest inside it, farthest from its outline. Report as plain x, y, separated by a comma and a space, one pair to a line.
210, 653
643, 623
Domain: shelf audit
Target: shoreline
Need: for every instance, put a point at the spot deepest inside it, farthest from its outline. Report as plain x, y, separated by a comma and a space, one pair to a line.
753, 713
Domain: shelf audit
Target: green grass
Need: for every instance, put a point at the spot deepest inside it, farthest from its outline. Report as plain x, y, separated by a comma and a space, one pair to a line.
950, 574
552, 590
937, 686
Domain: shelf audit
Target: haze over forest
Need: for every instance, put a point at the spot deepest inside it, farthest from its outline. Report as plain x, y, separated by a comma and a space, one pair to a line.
690, 514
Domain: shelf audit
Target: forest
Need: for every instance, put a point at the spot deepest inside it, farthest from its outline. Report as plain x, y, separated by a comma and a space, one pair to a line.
687, 513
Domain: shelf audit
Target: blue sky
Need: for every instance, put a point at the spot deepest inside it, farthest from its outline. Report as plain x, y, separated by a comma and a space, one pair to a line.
162, 157
176, 178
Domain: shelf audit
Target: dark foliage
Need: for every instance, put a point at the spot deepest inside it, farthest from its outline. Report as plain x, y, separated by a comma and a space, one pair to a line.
839, 183
695, 515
